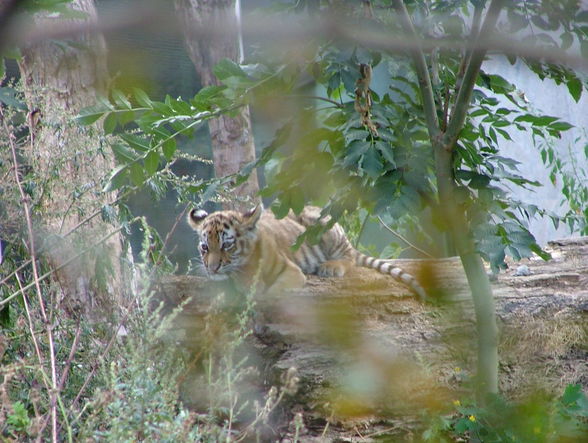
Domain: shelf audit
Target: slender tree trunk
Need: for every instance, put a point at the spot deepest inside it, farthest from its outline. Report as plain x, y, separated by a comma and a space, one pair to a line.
231, 137
443, 143
461, 236
59, 79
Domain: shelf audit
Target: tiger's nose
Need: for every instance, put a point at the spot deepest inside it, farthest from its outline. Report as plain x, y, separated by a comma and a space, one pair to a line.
214, 267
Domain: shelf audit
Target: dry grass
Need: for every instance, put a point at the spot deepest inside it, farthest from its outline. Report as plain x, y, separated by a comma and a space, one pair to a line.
545, 352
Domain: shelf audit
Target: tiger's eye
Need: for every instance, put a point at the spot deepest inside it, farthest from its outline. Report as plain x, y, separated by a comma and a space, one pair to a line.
204, 247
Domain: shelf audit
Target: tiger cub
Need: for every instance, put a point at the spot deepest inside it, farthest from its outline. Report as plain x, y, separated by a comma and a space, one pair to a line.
255, 247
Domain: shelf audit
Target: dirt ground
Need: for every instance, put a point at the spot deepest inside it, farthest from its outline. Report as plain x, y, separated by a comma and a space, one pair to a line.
368, 354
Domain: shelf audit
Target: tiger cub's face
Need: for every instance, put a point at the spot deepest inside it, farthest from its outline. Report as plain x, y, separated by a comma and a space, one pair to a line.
226, 239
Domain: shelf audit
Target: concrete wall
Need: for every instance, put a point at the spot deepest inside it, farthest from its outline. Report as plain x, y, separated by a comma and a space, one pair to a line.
546, 98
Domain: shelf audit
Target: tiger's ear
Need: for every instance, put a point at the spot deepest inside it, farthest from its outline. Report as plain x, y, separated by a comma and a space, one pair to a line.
251, 217
196, 217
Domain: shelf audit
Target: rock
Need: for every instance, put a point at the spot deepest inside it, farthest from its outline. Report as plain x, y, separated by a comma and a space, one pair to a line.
522, 270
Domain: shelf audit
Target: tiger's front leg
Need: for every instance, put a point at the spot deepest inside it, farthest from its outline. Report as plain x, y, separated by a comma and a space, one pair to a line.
290, 277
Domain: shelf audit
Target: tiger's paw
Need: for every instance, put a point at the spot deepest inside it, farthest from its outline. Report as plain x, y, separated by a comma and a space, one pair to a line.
333, 268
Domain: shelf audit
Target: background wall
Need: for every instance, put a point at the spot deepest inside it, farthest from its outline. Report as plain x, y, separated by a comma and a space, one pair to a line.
550, 99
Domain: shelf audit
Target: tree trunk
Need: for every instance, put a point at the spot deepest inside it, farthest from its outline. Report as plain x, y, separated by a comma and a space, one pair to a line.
59, 79
461, 236
231, 137
460, 233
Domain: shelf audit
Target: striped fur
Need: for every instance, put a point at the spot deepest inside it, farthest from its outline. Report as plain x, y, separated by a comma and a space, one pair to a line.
255, 248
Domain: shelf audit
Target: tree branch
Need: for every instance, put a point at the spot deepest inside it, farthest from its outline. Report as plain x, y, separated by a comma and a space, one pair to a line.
422, 71
393, 232
462, 103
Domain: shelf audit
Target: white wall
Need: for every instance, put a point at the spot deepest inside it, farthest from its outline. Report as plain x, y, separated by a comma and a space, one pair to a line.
548, 99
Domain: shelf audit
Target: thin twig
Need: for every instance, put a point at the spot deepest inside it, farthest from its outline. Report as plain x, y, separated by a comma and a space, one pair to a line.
72, 351
62, 265
103, 354
68, 233
48, 326
403, 239
123, 319
33, 335
170, 233
315, 97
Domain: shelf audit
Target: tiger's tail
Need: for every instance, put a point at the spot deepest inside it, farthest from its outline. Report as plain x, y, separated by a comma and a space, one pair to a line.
388, 268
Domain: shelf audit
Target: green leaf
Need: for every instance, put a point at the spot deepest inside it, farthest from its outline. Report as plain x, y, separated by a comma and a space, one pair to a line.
281, 207
227, 68
117, 179
135, 142
571, 395
120, 99
108, 213
89, 115
109, 124
566, 40
479, 112
137, 174
19, 418
151, 162
355, 134
560, 126
141, 97
372, 163
387, 152
479, 181
575, 88
354, 152
209, 92
210, 191
540, 252
125, 117
162, 108
296, 200
505, 134
123, 154
169, 148
542, 120
335, 119
469, 133
8, 96
5, 316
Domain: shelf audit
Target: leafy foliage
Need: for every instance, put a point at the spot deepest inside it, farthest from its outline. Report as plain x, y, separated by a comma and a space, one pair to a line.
326, 155
391, 174
534, 420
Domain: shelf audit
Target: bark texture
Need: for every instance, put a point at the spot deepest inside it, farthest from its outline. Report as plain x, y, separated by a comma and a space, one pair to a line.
231, 137
60, 78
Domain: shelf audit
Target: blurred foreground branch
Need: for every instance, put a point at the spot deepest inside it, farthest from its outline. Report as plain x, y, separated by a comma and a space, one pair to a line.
282, 32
